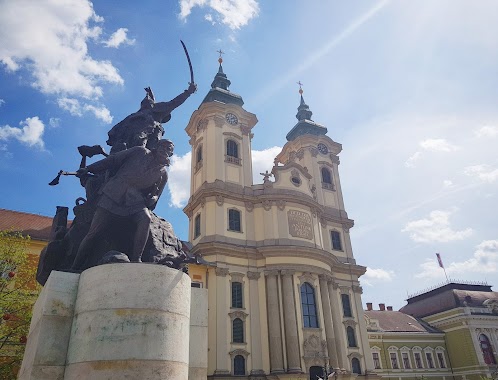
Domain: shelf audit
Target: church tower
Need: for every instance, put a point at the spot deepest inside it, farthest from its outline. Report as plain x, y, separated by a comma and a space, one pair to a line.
284, 297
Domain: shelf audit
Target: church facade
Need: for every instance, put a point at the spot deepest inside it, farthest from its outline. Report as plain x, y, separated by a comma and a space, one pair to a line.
284, 296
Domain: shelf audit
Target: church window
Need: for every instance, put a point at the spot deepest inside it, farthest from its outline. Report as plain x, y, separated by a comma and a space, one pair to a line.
430, 359
376, 360
487, 350
198, 156
238, 331
197, 226
355, 366
418, 360
346, 305
308, 304
440, 359
234, 220
232, 149
406, 360
394, 360
327, 179
239, 365
335, 236
351, 337
237, 294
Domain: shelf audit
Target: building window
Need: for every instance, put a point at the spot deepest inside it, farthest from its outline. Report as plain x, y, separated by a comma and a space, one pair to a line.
351, 337
239, 365
336, 240
232, 155
238, 331
418, 360
196, 284
237, 294
308, 304
327, 179
376, 360
234, 220
487, 349
197, 226
394, 360
346, 305
406, 360
198, 156
430, 359
440, 359
355, 366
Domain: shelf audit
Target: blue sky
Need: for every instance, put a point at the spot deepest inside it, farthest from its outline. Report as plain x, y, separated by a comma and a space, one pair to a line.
408, 88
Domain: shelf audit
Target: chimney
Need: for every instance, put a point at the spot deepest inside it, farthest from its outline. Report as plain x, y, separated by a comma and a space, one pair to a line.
382, 306
369, 306
389, 308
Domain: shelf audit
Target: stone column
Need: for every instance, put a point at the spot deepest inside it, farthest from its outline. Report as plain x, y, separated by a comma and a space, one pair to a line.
291, 338
254, 320
327, 316
361, 328
275, 336
336, 306
221, 322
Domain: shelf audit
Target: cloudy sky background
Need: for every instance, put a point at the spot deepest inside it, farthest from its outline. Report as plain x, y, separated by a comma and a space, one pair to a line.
409, 89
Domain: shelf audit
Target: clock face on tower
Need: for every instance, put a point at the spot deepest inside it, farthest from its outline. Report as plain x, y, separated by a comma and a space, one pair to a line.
322, 148
231, 119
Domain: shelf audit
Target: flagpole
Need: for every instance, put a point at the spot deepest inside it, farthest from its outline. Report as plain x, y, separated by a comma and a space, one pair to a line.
440, 262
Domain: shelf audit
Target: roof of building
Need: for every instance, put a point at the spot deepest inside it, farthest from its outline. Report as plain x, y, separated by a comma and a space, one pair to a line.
36, 226
447, 297
396, 321
219, 90
305, 126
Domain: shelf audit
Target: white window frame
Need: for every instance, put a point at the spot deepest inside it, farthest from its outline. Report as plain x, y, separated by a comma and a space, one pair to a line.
376, 350
418, 350
429, 350
441, 350
406, 350
394, 350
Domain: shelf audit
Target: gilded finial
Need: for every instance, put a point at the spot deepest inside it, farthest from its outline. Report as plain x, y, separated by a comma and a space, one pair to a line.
220, 59
300, 87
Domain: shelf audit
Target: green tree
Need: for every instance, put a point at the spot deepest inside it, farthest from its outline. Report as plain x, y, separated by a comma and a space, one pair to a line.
18, 291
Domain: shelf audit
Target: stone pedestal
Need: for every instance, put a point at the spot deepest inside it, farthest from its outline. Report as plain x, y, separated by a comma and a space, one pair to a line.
198, 360
126, 321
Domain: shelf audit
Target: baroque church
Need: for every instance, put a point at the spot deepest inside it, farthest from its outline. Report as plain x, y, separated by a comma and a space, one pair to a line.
284, 297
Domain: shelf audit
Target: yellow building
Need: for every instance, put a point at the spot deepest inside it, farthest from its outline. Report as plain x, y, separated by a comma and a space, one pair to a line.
284, 298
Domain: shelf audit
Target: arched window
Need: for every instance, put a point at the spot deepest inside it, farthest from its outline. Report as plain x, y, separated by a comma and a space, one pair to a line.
487, 350
355, 366
308, 304
239, 365
234, 220
232, 149
237, 294
351, 337
198, 156
238, 331
346, 305
197, 226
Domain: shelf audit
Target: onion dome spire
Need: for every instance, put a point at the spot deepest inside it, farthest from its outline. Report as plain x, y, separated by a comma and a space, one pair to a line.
219, 87
305, 126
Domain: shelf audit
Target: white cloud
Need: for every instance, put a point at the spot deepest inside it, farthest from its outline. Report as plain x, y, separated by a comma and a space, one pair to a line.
447, 183
49, 39
483, 260
484, 173
262, 160
487, 131
118, 38
410, 163
233, 13
209, 17
438, 145
30, 133
75, 108
2, 102
54, 122
179, 179
435, 229
373, 276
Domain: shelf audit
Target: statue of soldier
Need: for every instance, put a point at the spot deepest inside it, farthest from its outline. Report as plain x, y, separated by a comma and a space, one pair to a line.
134, 189
143, 128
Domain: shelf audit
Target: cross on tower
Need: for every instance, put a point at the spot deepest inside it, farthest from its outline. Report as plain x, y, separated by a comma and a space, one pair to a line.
220, 51
300, 87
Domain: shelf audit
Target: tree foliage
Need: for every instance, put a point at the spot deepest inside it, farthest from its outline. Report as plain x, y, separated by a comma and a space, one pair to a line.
18, 292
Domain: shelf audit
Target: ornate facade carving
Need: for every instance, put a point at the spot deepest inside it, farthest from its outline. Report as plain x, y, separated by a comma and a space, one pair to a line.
219, 121
249, 206
267, 205
306, 277
281, 205
238, 314
237, 277
245, 129
219, 200
300, 154
357, 289
223, 272
253, 275
202, 124
314, 152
